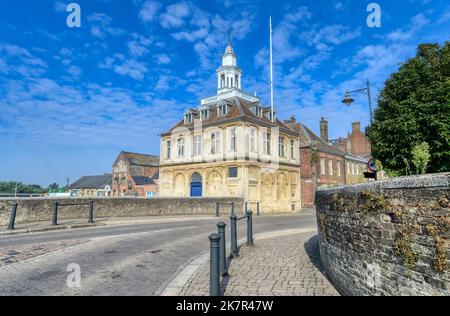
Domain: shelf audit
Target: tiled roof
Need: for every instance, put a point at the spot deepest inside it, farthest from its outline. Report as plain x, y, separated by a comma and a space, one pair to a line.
92, 182
308, 137
141, 180
141, 159
238, 109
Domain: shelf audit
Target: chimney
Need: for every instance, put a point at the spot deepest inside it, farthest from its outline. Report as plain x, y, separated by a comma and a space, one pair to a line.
324, 129
356, 127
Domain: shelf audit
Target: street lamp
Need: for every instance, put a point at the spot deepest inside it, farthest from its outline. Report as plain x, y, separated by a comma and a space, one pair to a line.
348, 100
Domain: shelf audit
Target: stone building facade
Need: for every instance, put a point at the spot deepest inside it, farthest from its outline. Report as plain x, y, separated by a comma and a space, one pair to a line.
135, 175
232, 146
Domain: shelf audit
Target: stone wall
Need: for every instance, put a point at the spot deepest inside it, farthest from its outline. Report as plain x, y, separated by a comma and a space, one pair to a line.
40, 209
387, 237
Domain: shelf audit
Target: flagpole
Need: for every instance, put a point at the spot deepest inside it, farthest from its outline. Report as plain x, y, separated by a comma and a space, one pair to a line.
271, 74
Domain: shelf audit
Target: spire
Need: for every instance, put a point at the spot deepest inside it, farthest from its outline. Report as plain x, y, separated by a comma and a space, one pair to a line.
229, 74
229, 49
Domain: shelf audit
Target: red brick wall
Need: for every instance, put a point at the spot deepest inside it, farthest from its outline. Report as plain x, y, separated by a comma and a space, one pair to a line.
311, 177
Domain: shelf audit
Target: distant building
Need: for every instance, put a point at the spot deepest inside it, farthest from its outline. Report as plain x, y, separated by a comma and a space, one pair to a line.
91, 186
323, 164
135, 175
356, 143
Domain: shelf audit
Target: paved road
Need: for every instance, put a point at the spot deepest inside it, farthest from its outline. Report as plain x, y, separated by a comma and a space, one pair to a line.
117, 260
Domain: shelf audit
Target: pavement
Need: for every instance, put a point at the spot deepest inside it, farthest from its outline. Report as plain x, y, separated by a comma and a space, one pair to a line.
285, 265
120, 258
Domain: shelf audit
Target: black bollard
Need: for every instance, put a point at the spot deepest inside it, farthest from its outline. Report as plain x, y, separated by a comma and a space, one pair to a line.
55, 214
12, 219
234, 247
257, 209
250, 228
223, 249
91, 212
232, 208
217, 209
214, 281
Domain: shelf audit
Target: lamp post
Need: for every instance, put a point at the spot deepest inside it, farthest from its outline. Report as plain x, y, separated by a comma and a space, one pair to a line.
348, 100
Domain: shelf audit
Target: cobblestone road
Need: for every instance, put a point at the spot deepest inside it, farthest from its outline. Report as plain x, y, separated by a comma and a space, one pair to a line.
287, 265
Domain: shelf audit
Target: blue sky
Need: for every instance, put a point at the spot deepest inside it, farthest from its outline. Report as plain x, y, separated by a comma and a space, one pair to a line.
72, 98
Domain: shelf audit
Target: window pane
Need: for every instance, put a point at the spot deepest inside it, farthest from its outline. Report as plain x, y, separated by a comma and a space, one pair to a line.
233, 172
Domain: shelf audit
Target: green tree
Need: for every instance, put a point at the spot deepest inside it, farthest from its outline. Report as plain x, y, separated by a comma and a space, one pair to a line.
414, 107
421, 157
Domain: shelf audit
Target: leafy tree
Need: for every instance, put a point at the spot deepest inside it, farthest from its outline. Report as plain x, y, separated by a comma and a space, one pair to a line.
10, 187
414, 107
421, 157
53, 186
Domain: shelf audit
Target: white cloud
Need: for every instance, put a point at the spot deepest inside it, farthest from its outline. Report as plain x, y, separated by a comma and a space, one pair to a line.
175, 15
101, 26
126, 67
149, 10
162, 59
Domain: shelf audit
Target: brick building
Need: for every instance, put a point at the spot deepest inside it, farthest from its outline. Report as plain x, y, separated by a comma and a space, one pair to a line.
323, 164
356, 143
135, 175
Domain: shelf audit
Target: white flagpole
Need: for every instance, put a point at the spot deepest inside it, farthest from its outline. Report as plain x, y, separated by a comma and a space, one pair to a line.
271, 74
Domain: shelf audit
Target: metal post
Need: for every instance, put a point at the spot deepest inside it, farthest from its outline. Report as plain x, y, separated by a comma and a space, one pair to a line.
232, 208
12, 219
217, 209
257, 209
214, 281
249, 228
91, 212
222, 249
55, 214
234, 247
370, 101
246, 207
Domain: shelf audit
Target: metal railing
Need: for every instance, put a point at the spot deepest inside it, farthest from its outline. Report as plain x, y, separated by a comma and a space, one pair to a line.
257, 207
55, 208
218, 258
224, 203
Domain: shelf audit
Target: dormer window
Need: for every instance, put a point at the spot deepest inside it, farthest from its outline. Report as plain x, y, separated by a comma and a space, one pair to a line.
222, 108
188, 118
256, 110
204, 114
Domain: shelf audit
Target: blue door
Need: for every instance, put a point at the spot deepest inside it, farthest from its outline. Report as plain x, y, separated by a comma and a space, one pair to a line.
196, 185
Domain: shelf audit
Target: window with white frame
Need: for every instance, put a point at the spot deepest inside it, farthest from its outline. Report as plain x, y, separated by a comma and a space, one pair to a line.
292, 149
330, 167
281, 151
348, 167
353, 168
266, 143
322, 166
233, 139
223, 109
338, 168
168, 149
188, 118
252, 140
197, 145
357, 170
215, 143
180, 143
204, 114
